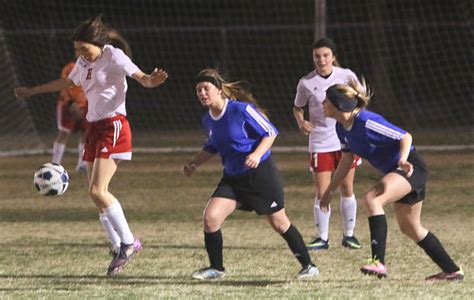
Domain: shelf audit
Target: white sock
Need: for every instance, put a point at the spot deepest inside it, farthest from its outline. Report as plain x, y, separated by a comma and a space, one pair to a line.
348, 207
110, 230
58, 152
117, 219
80, 151
321, 219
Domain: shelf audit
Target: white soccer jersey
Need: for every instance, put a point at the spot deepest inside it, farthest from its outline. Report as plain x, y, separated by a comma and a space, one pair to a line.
104, 82
311, 91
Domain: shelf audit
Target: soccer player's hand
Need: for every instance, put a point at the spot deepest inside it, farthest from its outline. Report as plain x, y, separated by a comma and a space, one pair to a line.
324, 202
189, 169
158, 76
306, 127
406, 166
22, 92
252, 160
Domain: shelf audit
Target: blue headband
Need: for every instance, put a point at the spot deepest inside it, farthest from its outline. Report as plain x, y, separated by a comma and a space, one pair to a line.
339, 100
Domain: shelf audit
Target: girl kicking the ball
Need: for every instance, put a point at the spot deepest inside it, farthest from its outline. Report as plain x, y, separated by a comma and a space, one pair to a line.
101, 71
242, 135
389, 149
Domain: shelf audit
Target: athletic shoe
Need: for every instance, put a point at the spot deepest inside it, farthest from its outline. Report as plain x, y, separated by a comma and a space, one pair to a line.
374, 267
351, 242
458, 275
208, 273
308, 272
127, 252
318, 244
137, 244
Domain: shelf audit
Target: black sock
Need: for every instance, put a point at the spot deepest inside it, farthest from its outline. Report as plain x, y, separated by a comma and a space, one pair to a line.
436, 252
378, 236
213, 243
297, 246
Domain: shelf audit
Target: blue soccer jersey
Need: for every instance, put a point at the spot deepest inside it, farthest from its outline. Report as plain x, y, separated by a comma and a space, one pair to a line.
236, 133
373, 138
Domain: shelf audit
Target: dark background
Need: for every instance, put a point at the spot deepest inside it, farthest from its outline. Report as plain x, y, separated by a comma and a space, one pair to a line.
416, 55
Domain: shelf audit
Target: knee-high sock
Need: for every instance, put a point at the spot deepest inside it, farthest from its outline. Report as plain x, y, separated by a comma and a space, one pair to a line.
110, 231
58, 152
297, 246
437, 253
348, 207
378, 236
213, 241
117, 218
321, 220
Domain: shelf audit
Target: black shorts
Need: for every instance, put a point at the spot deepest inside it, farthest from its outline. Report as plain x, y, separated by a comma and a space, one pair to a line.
259, 189
417, 180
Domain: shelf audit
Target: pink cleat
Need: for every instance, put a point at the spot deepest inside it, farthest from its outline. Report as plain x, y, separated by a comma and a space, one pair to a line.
458, 275
374, 267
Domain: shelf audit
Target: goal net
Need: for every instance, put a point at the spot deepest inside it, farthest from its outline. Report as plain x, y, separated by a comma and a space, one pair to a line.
416, 55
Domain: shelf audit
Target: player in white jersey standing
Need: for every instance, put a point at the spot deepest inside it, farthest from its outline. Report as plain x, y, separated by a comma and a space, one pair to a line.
324, 146
101, 71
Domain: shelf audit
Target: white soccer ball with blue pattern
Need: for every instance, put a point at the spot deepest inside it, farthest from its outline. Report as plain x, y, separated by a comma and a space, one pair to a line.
51, 180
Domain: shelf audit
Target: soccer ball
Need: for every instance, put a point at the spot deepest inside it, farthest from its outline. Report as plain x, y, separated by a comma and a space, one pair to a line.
51, 180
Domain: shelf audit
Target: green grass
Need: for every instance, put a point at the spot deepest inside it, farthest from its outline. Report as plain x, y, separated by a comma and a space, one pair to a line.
54, 248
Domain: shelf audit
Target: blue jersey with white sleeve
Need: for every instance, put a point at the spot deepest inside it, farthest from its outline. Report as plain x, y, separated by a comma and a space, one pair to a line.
236, 133
373, 138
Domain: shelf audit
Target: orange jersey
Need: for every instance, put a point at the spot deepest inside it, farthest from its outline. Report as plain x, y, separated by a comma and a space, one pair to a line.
74, 93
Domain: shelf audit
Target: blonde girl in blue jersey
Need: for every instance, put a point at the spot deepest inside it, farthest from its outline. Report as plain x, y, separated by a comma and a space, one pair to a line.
389, 149
242, 135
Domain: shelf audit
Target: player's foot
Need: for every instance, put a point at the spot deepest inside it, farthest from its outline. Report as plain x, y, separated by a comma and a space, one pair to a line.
374, 267
113, 251
81, 169
351, 242
125, 255
308, 272
208, 273
318, 244
458, 275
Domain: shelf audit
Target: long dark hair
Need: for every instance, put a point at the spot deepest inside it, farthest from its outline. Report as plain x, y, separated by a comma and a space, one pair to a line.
94, 31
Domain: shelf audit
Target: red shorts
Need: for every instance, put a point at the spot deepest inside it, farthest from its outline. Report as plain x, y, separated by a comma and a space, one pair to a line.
108, 138
320, 162
68, 121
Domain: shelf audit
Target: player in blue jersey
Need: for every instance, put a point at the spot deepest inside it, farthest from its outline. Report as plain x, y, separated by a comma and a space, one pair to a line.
242, 135
389, 149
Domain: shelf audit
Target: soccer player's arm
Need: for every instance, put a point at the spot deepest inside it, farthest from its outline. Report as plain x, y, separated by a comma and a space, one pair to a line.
405, 146
300, 102
265, 129
52, 86
198, 160
156, 78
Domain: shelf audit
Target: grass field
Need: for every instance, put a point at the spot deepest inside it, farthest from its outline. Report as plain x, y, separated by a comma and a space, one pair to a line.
54, 248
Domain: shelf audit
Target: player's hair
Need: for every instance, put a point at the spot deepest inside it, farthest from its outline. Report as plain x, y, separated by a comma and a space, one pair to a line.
94, 31
327, 43
236, 90
356, 92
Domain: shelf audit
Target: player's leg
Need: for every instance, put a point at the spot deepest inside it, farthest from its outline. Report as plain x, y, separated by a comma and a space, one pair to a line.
348, 209
102, 172
409, 221
215, 213
321, 180
81, 164
59, 146
65, 124
390, 188
281, 224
